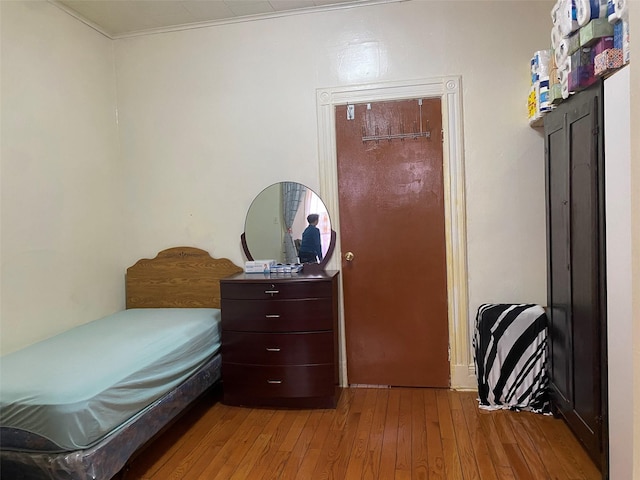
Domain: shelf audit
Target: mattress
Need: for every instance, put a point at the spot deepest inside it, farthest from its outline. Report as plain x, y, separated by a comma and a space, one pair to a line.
76, 387
108, 456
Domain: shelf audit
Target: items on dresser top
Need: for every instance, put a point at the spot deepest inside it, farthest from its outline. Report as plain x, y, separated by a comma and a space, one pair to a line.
280, 340
270, 266
258, 266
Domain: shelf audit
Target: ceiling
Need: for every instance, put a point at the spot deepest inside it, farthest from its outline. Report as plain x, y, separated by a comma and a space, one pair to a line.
122, 18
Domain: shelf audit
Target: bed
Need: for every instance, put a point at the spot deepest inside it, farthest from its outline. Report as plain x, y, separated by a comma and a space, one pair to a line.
146, 364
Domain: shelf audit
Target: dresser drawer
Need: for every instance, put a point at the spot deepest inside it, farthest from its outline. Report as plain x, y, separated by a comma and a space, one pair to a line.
277, 348
274, 290
277, 315
256, 381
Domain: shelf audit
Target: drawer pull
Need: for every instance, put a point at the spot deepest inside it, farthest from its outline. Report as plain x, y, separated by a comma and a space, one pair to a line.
272, 316
271, 292
272, 349
274, 382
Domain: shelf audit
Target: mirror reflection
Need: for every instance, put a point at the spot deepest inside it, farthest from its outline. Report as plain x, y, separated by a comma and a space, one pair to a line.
277, 225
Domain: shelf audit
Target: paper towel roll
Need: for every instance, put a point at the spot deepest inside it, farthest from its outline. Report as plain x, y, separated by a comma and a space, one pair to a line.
611, 10
554, 12
622, 9
583, 12
587, 10
543, 62
556, 36
617, 10
625, 40
567, 18
565, 89
564, 82
540, 65
563, 75
561, 52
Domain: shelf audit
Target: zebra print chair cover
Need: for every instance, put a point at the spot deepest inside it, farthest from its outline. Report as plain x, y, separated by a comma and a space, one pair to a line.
509, 345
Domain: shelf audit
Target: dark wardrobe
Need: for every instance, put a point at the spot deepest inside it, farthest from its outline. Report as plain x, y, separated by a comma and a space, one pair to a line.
577, 366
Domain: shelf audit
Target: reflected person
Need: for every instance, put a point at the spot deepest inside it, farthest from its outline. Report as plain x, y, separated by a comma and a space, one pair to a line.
310, 248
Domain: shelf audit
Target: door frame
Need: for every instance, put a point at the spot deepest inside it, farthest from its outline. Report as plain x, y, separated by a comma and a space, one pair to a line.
448, 89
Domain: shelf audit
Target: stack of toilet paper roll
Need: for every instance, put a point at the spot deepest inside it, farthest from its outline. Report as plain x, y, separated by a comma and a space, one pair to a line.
563, 43
577, 26
589, 38
564, 17
539, 93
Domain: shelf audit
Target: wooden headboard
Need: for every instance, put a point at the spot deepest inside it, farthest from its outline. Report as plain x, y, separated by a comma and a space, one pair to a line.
184, 277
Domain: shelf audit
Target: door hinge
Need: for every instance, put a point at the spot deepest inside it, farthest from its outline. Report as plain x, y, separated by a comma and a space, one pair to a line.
449, 353
442, 135
596, 130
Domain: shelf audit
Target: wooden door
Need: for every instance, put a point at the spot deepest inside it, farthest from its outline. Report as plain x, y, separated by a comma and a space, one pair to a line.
391, 201
576, 268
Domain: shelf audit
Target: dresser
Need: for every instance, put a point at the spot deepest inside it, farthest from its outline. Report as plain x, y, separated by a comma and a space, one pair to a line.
280, 340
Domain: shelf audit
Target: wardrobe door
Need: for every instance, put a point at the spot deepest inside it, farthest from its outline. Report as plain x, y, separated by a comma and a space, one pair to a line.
559, 274
576, 281
586, 415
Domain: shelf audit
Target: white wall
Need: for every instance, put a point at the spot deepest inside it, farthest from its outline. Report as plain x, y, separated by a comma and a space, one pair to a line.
61, 178
619, 280
634, 403
211, 116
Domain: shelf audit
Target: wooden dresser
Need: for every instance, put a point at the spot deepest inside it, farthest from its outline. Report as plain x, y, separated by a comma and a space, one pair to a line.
280, 340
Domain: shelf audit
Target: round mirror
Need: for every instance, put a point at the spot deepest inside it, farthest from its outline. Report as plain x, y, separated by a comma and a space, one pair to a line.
289, 223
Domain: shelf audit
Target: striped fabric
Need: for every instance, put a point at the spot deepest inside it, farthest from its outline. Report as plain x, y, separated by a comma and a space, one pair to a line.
509, 346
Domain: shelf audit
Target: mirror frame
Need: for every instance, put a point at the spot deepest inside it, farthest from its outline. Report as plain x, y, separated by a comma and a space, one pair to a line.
308, 267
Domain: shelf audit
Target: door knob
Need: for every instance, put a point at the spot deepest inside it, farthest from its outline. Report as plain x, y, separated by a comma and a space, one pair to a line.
349, 256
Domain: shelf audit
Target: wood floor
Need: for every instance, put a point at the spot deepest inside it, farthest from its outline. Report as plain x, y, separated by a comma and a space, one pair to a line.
386, 434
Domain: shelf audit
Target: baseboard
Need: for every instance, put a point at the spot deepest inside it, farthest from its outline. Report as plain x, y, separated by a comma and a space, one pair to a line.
366, 385
463, 377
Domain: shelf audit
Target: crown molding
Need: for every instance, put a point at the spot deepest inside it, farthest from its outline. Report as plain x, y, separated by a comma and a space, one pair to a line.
213, 23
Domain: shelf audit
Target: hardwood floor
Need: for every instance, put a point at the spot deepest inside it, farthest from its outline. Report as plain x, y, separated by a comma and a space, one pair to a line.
397, 433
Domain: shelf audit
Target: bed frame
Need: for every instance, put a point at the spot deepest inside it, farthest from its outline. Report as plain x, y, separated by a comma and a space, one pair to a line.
179, 277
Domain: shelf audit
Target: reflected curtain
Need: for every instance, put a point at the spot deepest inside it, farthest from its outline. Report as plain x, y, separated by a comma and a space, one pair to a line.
292, 195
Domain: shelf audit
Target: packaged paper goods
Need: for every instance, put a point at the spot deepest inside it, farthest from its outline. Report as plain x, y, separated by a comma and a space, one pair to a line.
595, 29
608, 61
